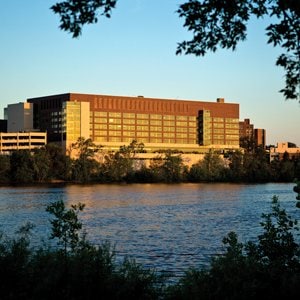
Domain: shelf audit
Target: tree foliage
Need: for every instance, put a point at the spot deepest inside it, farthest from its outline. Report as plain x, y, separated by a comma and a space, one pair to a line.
80, 271
220, 23
21, 167
213, 23
65, 224
76, 13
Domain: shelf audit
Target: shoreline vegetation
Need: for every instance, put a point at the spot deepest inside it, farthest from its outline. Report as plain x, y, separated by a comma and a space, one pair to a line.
73, 268
92, 165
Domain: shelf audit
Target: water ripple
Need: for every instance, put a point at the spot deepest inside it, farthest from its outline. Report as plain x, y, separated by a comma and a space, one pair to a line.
166, 227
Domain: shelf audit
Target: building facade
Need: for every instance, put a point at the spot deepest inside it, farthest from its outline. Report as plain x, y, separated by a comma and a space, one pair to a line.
246, 129
11, 141
260, 137
254, 136
289, 148
113, 121
19, 117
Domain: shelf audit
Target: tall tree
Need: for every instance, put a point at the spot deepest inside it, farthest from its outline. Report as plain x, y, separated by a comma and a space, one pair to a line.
85, 166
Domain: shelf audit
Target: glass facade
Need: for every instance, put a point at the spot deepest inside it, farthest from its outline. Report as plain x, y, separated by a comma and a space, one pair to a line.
76, 120
153, 128
172, 124
217, 130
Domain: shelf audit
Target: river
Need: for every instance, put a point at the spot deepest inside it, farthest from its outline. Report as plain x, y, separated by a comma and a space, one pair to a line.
165, 227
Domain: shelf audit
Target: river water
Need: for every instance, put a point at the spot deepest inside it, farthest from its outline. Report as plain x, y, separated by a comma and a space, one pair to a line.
165, 227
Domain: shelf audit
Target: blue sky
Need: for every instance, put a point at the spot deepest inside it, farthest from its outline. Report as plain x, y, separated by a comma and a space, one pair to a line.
133, 53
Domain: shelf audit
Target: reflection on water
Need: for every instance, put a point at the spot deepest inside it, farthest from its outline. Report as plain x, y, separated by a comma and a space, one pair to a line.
167, 227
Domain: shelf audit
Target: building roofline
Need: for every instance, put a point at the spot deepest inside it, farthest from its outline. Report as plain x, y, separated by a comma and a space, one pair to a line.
74, 94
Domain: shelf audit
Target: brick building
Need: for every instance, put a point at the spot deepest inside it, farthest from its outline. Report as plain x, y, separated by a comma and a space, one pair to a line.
160, 124
255, 136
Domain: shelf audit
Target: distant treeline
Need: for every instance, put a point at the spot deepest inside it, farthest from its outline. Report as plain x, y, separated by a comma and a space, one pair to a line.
92, 164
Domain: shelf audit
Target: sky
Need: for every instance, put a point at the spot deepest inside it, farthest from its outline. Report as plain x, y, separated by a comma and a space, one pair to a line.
133, 53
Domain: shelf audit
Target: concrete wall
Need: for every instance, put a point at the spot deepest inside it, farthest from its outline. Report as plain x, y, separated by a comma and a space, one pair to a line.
19, 117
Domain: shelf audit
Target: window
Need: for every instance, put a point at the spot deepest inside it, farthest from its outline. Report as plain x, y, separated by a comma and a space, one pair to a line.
128, 127
181, 118
129, 133
142, 122
100, 120
129, 121
218, 119
155, 128
169, 117
100, 139
142, 116
100, 126
115, 127
142, 128
115, 139
155, 117
169, 123
115, 133
155, 122
129, 115
100, 114
169, 129
180, 123
155, 134
231, 120
114, 115
181, 129
116, 121
142, 134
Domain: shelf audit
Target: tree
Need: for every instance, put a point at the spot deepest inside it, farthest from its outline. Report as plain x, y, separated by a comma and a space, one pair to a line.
76, 13
256, 166
214, 23
119, 166
173, 168
210, 168
220, 23
4, 168
236, 166
85, 148
41, 164
21, 167
60, 162
66, 225
85, 165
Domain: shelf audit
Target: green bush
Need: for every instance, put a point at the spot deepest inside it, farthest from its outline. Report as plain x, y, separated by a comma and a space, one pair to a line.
268, 268
74, 269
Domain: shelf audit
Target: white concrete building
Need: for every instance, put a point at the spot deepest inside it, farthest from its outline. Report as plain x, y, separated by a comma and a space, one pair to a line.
10, 141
